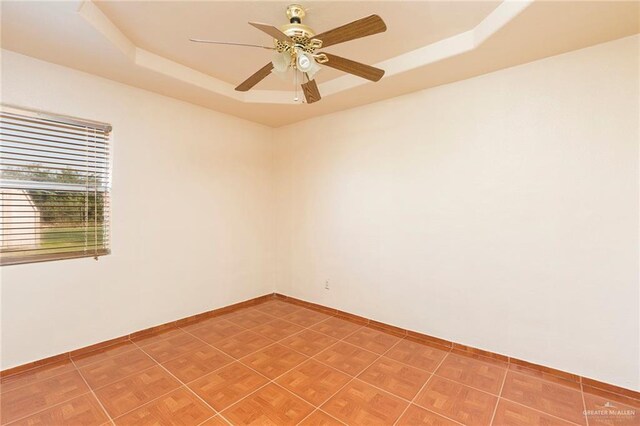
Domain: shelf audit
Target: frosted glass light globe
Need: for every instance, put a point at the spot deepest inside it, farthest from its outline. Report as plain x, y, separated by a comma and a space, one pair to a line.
304, 62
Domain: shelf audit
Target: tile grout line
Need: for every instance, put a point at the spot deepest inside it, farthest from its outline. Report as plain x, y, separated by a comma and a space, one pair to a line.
43, 410
495, 409
221, 317
274, 342
400, 339
352, 377
289, 370
135, 344
420, 391
61, 402
287, 337
179, 381
141, 348
278, 298
237, 360
156, 364
540, 411
128, 340
206, 420
584, 403
463, 384
92, 392
270, 381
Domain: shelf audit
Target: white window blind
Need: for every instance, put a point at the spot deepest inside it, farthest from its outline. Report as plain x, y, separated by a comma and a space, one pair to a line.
54, 187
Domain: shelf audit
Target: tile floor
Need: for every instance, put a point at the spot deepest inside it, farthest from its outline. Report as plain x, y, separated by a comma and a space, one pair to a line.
281, 364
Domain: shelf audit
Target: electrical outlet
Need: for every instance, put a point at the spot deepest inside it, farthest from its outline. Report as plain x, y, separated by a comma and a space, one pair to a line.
326, 285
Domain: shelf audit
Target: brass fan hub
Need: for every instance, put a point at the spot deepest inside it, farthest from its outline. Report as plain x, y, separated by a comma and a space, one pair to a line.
302, 35
297, 30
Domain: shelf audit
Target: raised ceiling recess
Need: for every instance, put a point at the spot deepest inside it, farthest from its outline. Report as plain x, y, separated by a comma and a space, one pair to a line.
146, 44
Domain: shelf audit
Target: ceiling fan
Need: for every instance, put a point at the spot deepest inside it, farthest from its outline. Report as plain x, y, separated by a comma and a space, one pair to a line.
295, 46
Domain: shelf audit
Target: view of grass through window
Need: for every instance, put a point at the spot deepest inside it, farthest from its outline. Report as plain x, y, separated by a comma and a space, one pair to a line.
54, 196
67, 220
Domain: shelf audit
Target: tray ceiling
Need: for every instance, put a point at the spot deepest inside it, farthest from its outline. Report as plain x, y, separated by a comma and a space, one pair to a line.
144, 44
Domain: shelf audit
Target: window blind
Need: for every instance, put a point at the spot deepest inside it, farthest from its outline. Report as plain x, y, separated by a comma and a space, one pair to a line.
54, 187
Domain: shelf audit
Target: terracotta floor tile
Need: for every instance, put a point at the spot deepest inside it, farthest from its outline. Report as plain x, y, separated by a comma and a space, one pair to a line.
544, 376
42, 394
511, 414
479, 357
243, 344
112, 369
336, 327
305, 317
179, 407
199, 324
274, 360
415, 416
227, 385
308, 342
34, 375
173, 347
542, 395
131, 392
314, 382
347, 358
361, 404
417, 355
319, 418
474, 373
156, 337
606, 390
457, 401
277, 329
216, 331
270, 405
251, 318
395, 377
83, 410
195, 364
372, 340
277, 308
103, 354
215, 421
611, 397
610, 412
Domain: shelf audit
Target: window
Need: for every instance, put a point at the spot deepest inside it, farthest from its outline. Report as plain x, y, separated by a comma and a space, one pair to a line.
54, 187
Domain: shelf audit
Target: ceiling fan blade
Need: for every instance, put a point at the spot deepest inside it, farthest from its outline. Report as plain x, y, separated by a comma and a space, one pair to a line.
361, 28
230, 43
256, 78
353, 67
272, 31
311, 92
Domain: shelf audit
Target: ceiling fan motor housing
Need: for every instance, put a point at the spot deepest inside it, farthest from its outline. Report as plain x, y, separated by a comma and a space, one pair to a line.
301, 34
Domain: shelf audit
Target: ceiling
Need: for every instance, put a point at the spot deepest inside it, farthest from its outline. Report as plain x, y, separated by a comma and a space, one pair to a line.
144, 44
146, 24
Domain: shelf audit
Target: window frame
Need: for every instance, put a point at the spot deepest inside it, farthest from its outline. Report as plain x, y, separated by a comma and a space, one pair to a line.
105, 182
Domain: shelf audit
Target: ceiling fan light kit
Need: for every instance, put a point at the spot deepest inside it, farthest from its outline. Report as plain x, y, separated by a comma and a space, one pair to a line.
295, 46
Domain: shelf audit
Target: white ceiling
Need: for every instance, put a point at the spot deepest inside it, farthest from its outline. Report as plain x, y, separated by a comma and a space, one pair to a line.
164, 28
427, 44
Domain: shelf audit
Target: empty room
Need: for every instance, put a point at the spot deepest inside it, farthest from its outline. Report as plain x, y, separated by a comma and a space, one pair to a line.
358, 213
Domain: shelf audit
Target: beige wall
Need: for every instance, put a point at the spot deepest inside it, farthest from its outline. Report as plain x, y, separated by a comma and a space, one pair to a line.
192, 217
499, 212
